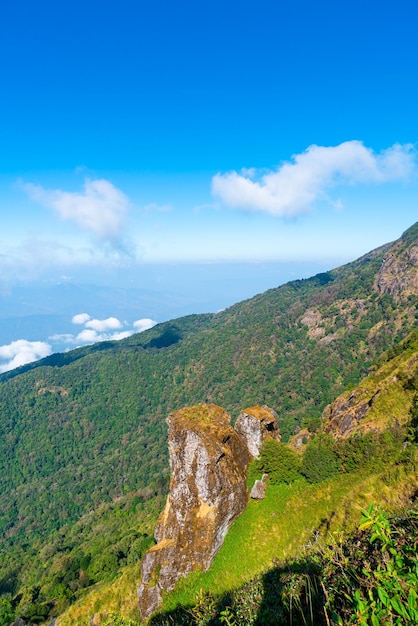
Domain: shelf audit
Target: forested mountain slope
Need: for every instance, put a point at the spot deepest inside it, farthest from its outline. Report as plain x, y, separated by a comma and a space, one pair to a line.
282, 550
88, 426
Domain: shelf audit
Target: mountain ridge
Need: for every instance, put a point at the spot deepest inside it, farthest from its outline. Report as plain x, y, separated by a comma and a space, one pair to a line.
84, 428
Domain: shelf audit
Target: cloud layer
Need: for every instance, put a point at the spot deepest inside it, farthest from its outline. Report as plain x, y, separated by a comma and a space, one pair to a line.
108, 329
145, 324
100, 209
295, 186
21, 352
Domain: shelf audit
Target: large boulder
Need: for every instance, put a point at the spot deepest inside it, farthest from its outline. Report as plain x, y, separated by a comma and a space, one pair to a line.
255, 425
208, 462
259, 488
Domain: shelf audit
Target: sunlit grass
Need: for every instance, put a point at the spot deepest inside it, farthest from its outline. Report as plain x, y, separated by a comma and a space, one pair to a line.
290, 521
118, 597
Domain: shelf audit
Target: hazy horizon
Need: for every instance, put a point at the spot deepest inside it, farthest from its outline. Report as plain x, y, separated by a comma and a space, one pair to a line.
143, 143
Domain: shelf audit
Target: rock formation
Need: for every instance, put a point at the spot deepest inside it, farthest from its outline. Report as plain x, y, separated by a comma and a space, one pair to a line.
398, 274
255, 425
383, 400
300, 439
208, 463
343, 416
259, 488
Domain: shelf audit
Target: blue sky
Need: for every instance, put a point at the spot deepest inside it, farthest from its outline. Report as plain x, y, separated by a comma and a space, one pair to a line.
135, 132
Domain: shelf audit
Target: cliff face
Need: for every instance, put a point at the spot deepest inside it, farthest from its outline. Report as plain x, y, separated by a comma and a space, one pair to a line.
255, 425
208, 463
382, 400
398, 274
345, 416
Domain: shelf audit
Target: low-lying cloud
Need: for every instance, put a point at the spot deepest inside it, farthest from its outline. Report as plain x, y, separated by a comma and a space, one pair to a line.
295, 186
21, 352
111, 323
80, 318
101, 208
109, 329
144, 324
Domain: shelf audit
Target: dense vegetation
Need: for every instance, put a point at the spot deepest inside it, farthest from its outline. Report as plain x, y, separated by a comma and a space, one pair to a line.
83, 433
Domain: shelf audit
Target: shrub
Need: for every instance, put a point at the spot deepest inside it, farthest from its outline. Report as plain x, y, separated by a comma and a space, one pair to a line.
278, 461
373, 578
313, 424
138, 548
6, 611
319, 461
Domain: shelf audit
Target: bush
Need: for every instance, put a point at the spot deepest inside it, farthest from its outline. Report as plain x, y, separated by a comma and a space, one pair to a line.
278, 461
319, 461
138, 548
372, 578
370, 449
6, 611
312, 424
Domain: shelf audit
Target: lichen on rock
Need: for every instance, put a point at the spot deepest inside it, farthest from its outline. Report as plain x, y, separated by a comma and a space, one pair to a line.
208, 462
398, 274
255, 425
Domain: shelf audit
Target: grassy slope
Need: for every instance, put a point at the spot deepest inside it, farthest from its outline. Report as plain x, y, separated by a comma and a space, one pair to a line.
290, 522
388, 391
285, 524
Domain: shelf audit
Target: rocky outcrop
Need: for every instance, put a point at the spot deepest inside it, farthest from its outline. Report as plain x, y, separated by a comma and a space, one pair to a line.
255, 425
382, 401
208, 463
300, 439
398, 274
343, 416
259, 488
313, 320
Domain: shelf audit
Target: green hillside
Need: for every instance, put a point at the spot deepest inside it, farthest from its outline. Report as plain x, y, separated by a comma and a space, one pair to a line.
302, 533
85, 431
285, 545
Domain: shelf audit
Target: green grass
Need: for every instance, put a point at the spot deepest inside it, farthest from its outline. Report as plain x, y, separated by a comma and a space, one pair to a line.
291, 521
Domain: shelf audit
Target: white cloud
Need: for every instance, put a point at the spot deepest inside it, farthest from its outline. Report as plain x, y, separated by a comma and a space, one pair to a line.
88, 336
111, 323
96, 330
144, 324
62, 338
122, 335
80, 318
295, 186
21, 352
101, 208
